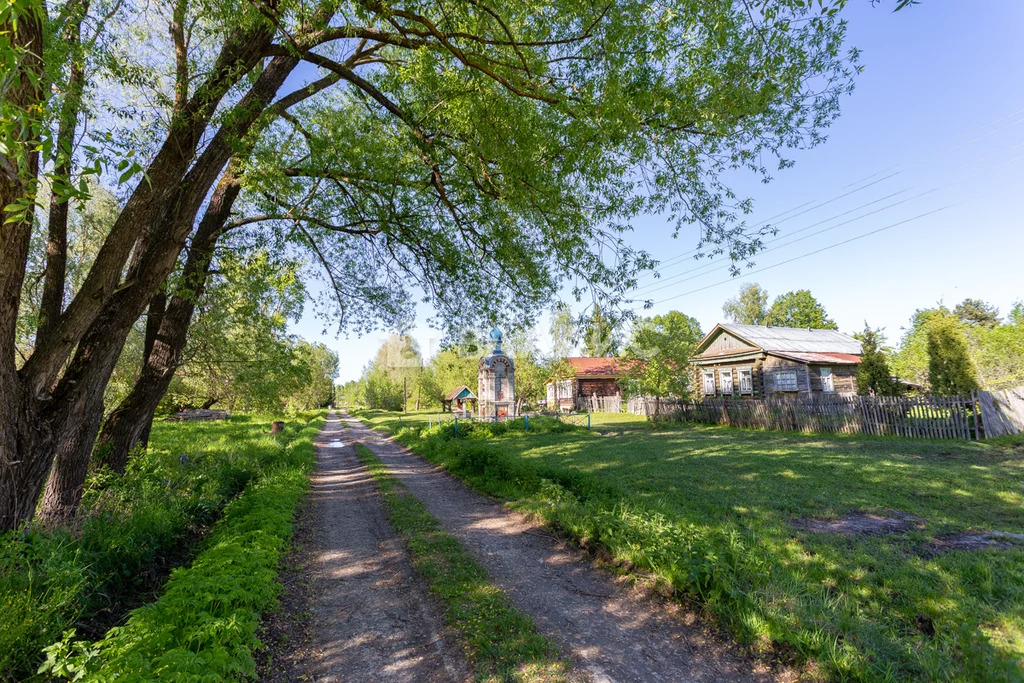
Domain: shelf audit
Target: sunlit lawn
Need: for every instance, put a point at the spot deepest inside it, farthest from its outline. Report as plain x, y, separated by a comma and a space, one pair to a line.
860, 606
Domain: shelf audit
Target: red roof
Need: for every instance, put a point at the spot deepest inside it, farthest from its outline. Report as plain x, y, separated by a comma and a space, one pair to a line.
584, 366
812, 357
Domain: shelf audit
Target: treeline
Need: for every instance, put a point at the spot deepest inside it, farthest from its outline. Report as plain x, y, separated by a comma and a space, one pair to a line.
942, 351
399, 377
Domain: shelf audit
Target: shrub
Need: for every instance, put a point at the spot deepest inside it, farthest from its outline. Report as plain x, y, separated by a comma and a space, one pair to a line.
204, 625
131, 531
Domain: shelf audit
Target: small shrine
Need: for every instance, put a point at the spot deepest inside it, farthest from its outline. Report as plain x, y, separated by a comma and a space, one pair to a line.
496, 396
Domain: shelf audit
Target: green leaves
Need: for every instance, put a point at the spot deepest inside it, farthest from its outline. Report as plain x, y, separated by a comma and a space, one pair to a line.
204, 625
658, 355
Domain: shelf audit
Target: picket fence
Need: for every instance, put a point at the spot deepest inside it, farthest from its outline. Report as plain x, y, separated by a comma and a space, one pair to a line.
981, 415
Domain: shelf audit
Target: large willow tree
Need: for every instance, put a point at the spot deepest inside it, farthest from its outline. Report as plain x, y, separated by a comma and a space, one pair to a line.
475, 153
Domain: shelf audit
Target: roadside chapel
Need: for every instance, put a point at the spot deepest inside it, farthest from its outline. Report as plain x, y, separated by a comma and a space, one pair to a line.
496, 383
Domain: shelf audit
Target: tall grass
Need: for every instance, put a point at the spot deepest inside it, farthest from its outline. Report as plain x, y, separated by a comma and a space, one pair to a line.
132, 530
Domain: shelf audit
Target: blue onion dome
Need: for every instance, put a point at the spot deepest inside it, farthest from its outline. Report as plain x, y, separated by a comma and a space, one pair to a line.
495, 337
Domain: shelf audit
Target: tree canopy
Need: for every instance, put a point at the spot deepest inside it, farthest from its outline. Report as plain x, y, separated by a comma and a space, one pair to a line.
749, 307
874, 376
977, 312
658, 355
950, 370
799, 309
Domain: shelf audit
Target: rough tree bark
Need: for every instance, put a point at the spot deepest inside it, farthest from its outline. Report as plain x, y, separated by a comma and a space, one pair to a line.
128, 425
19, 430
52, 302
99, 349
45, 420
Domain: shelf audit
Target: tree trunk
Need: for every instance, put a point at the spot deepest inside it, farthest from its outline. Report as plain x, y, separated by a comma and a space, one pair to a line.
159, 214
52, 302
21, 430
128, 426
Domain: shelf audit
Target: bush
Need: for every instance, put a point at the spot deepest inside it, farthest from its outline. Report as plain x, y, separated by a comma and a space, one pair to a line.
204, 625
131, 531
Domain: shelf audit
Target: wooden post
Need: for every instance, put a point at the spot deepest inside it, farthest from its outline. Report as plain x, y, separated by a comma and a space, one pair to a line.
976, 408
405, 394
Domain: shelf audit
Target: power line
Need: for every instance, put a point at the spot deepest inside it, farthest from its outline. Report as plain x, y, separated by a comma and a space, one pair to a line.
668, 281
910, 162
661, 283
816, 206
810, 253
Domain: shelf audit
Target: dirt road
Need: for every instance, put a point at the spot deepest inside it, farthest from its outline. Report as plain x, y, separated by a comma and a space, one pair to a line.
612, 632
373, 619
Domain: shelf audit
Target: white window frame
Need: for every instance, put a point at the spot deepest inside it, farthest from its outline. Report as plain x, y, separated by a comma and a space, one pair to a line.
779, 374
723, 375
828, 380
749, 373
551, 392
565, 388
709, 375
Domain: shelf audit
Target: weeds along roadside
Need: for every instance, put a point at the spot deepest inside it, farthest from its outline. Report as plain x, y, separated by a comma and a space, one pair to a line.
132, 530
738, 575
501, 642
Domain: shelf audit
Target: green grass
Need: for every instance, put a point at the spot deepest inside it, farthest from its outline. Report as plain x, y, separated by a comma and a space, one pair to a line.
501, 642
711, 511
132, 530
203, 626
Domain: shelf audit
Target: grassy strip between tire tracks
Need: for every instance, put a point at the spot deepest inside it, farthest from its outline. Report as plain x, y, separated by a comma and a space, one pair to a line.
203, 627
716, 513
501, 641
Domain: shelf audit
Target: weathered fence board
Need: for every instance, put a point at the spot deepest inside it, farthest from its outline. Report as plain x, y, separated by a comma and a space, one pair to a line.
599, 404
1002, 412
932, 417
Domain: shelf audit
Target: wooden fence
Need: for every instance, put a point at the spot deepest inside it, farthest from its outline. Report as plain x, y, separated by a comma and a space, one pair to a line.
927, 417
599, 404
1002, 412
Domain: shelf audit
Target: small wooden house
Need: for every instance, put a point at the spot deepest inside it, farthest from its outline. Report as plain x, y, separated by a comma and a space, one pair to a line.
762, 361
591, 376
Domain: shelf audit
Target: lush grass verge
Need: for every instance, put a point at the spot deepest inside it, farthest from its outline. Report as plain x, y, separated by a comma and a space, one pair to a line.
204, 625
501, 642
132, 530
715, 513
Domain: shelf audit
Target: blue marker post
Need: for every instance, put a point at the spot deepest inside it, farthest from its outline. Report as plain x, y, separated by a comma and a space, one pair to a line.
526, 419
456, 426
588, 420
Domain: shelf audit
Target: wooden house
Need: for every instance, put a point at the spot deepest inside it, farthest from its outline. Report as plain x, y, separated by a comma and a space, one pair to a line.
591, 377
762, 361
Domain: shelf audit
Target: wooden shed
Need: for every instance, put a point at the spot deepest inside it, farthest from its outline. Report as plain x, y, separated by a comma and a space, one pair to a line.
759, 361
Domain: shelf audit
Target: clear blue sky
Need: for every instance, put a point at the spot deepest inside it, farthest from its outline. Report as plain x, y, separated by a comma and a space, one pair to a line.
936, 120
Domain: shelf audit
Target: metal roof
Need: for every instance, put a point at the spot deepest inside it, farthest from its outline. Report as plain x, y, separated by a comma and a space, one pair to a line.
819, 358
798, 339
460, 392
